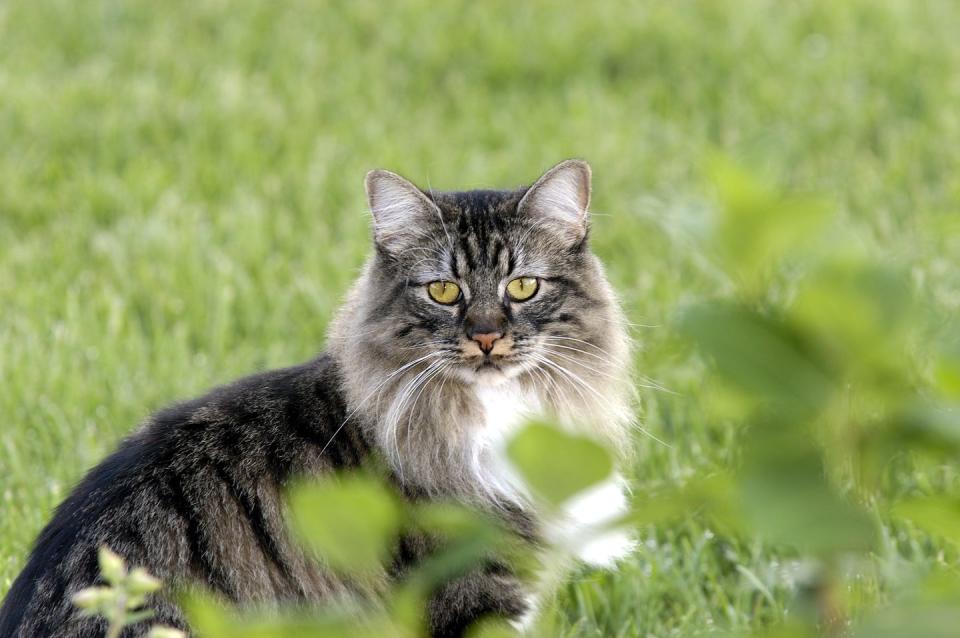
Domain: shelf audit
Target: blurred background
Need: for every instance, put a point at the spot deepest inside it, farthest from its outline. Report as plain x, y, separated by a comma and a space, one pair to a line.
181, 203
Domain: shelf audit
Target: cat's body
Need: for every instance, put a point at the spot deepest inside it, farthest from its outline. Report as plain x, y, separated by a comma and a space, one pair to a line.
424, 382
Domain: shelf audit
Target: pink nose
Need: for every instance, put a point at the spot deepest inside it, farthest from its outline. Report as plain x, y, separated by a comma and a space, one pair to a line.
485, 340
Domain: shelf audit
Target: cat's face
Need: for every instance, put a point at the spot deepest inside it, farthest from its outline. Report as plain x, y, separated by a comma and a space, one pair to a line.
487, 285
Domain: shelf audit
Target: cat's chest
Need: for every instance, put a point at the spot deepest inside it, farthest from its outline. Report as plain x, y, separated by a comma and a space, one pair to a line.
581, 526
505, 408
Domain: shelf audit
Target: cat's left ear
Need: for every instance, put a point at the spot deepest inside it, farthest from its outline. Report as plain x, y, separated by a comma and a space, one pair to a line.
400, 210
561, 199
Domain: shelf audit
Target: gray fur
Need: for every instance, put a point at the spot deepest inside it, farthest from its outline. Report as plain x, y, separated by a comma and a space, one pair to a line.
195, 495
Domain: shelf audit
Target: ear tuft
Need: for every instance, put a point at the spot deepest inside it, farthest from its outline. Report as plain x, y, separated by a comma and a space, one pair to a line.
562, 198
397, 207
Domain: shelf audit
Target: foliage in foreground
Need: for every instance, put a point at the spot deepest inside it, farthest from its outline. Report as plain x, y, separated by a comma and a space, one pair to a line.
122, 598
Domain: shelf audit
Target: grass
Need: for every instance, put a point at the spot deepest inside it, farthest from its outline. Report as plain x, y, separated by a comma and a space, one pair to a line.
181, 203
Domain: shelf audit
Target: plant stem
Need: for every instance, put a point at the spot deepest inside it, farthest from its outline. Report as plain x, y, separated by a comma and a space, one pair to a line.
119, 616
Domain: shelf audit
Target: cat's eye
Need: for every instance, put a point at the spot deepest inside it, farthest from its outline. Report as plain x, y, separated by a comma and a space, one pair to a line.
522, 288
445, 292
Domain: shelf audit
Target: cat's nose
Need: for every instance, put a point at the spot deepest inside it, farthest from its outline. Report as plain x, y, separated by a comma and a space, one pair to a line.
486, 340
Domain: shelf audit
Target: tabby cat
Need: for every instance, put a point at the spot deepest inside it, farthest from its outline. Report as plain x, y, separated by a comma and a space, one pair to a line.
476, 310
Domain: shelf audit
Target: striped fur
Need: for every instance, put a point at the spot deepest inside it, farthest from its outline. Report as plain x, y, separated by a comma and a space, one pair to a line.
195, 495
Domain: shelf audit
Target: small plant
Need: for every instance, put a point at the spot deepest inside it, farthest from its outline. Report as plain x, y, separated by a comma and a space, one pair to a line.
121, 602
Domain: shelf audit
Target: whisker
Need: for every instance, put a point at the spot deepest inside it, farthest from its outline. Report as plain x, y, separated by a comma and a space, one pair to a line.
366, 398
574, 377
399, 407
634, 424
437, 370
550, 350
650, 383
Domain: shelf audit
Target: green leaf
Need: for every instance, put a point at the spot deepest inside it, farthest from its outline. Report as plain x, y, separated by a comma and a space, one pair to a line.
760, 356
468, 537
938, 515
93, 599
492, 629
350, 522
914, 621
947, 367
557, 465
925, 610
787, 499
210, 619
112, 566
711, 496
863, 311
947, 375
928, 427
759, 227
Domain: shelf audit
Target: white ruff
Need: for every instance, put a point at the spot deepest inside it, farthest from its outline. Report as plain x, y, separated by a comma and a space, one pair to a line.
581, 527
505, 407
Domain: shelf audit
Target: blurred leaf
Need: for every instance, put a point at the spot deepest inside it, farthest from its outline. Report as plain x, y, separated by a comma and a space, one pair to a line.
928, 432
467, 537
406, 606
927, 427
915, 621
947, 368
939, 586
351, 522
938, 515
112, 567
492, 629
759, 227
557, 465
947, 375
211, 619
713, 497
787, 499
926, 610
761, 356
863, 311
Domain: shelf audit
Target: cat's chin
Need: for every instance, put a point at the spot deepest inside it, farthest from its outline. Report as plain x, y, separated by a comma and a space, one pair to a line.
487, 375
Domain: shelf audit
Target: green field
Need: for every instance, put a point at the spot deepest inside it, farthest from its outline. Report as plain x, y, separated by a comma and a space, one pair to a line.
181, 203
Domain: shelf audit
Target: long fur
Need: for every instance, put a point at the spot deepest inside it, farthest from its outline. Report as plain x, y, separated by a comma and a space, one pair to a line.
195, 495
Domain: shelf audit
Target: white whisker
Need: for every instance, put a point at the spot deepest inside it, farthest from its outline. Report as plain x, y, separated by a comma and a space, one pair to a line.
366, 398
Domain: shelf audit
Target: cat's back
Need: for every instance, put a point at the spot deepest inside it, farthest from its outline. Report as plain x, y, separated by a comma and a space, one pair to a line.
194, 496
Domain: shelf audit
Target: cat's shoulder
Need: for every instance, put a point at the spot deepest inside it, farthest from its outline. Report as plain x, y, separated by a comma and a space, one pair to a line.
314, 385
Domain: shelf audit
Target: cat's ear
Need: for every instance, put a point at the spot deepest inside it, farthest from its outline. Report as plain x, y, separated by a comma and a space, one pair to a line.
561, 199
400, 210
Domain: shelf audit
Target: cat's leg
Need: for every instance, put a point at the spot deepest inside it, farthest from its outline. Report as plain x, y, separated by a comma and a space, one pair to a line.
489, 591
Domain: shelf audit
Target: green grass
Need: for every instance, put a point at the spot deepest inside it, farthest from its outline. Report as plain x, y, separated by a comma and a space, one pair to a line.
181, 203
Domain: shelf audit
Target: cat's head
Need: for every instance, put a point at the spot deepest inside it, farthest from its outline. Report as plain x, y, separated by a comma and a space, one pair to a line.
467, 290
487, 285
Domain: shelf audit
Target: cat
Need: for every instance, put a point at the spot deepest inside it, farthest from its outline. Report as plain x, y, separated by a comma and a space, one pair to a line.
476, 310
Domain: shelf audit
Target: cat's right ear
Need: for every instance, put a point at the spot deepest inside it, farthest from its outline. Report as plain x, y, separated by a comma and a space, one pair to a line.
560, 200
400, 210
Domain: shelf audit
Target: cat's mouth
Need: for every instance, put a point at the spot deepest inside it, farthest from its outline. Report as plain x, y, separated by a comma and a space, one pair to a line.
488, 364
495, 365
488, 368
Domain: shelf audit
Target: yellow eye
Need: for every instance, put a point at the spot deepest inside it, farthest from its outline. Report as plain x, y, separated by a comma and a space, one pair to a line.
522, 288
445, 292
